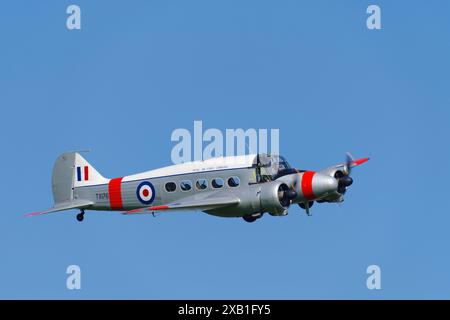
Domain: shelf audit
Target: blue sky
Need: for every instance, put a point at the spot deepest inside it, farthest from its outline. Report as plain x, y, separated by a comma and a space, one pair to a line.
135, 72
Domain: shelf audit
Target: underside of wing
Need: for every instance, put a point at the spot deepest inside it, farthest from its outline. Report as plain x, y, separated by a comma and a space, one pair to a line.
63, 206
190, 204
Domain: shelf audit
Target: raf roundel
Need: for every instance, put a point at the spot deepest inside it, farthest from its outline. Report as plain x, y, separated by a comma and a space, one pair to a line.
145, 192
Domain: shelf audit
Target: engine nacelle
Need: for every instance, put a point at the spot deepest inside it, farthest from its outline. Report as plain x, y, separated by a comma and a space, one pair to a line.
272, 198
335, 173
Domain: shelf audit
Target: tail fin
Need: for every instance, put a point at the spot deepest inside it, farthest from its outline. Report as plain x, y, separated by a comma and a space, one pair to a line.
72, 170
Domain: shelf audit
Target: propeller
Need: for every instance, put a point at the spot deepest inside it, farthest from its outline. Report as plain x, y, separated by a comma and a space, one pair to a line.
343, 177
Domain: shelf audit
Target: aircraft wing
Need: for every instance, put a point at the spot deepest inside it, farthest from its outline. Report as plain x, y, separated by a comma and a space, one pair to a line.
190, 204
63, 206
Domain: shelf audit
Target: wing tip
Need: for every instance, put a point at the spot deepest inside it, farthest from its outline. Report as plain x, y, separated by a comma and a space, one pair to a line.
156, 208
32, 214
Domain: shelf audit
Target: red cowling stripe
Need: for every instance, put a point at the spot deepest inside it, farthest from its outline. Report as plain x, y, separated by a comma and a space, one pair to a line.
115, 194
307, 189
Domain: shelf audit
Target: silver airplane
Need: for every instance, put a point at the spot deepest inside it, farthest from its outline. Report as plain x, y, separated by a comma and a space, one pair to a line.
241, 186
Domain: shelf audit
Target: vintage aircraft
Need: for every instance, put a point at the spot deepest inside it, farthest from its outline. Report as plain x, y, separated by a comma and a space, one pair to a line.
241, 186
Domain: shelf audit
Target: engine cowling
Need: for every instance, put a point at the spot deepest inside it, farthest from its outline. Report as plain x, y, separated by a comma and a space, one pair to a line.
336, 174
274, 198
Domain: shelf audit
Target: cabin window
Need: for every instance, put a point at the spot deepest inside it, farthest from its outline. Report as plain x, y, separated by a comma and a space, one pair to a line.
201, 184
217, 183
186, 185
234, 182
171, 186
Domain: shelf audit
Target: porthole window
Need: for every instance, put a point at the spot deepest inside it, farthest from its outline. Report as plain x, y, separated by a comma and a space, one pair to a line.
217, 183
186, 185
234, 182
171, 186
201, 184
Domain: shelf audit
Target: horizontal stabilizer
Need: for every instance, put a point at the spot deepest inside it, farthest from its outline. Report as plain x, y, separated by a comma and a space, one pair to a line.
74, 204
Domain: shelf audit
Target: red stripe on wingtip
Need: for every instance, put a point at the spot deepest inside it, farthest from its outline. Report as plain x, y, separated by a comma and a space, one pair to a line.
154, 208
158, 208
32, 214
360, 161
133, 211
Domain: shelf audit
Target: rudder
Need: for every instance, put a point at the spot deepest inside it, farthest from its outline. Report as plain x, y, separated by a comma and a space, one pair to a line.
71, 170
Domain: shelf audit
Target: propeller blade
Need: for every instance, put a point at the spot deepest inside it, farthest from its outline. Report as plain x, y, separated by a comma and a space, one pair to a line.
348, 163
359, 161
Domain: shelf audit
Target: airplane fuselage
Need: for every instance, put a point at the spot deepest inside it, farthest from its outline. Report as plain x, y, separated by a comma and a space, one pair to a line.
241, 186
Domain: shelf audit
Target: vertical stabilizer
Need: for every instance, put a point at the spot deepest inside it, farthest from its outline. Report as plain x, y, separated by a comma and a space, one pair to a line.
72, 170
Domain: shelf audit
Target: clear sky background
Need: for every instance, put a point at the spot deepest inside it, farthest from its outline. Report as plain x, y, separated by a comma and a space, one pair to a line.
138, 70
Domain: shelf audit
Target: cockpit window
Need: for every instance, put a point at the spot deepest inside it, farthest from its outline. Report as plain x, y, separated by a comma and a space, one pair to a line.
269, 167
283, 164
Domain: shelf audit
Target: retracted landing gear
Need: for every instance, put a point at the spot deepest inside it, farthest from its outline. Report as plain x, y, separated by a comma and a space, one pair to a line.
252, 217
80, 216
